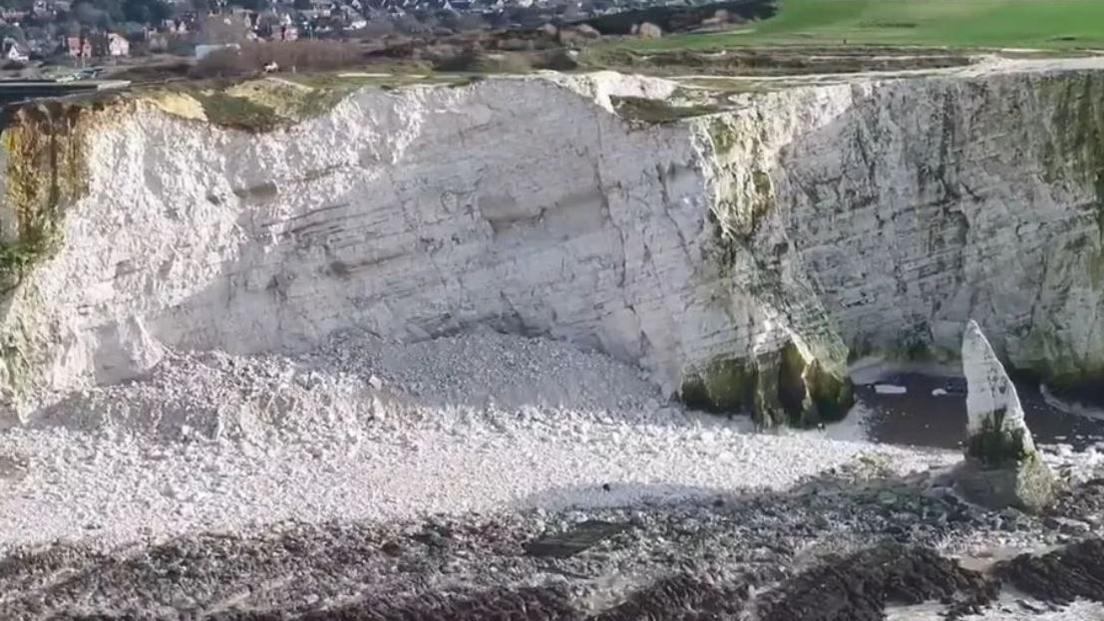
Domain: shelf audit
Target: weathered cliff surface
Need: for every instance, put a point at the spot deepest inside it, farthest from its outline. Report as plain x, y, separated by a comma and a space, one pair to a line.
927, 202
739, 256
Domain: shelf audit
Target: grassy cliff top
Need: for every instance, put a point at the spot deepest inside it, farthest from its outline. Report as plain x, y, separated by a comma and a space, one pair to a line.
259, 103
266, 103
1034, 24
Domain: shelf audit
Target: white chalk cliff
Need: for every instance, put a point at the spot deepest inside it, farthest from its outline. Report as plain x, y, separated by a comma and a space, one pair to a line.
738, 256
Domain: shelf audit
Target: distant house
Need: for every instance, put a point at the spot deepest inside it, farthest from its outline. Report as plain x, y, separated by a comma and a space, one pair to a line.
14, 51
177, 26
286, 33
108, 44
78, 47
117, 45
156, 41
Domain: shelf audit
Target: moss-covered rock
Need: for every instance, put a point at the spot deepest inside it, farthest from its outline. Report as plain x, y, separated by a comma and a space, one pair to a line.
1030, 486
44, 148
45, 172
723, 386
831, 394
777, 388
995, 446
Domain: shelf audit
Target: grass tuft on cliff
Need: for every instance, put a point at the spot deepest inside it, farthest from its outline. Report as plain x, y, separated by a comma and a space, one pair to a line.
657, 111
238, 112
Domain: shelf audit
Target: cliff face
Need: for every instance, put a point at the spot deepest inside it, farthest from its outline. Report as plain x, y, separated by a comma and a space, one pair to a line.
740, 256
928, 202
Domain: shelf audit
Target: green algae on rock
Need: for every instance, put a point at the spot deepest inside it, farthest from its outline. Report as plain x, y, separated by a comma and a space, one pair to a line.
1029, 485
777, 388
46, 170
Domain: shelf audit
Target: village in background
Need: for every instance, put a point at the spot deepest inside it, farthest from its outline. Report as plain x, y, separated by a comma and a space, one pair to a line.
65, 40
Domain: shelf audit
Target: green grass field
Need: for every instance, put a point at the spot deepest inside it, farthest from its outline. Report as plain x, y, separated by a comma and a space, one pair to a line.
1037, 24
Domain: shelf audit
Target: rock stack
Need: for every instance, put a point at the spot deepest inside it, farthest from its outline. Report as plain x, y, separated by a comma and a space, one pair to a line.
1002, 467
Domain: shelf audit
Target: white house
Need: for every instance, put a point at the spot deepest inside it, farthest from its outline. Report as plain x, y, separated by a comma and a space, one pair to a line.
15, 52
117, 45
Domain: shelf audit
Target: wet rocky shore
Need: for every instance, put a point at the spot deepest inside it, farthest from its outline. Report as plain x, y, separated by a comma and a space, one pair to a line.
844, 545
800, 525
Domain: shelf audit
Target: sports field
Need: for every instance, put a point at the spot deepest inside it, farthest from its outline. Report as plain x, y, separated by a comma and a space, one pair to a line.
1035, 24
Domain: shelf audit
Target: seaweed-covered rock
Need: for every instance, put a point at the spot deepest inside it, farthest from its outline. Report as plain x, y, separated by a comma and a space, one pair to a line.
682, 596
1028, 485
1061, 576
859, 586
